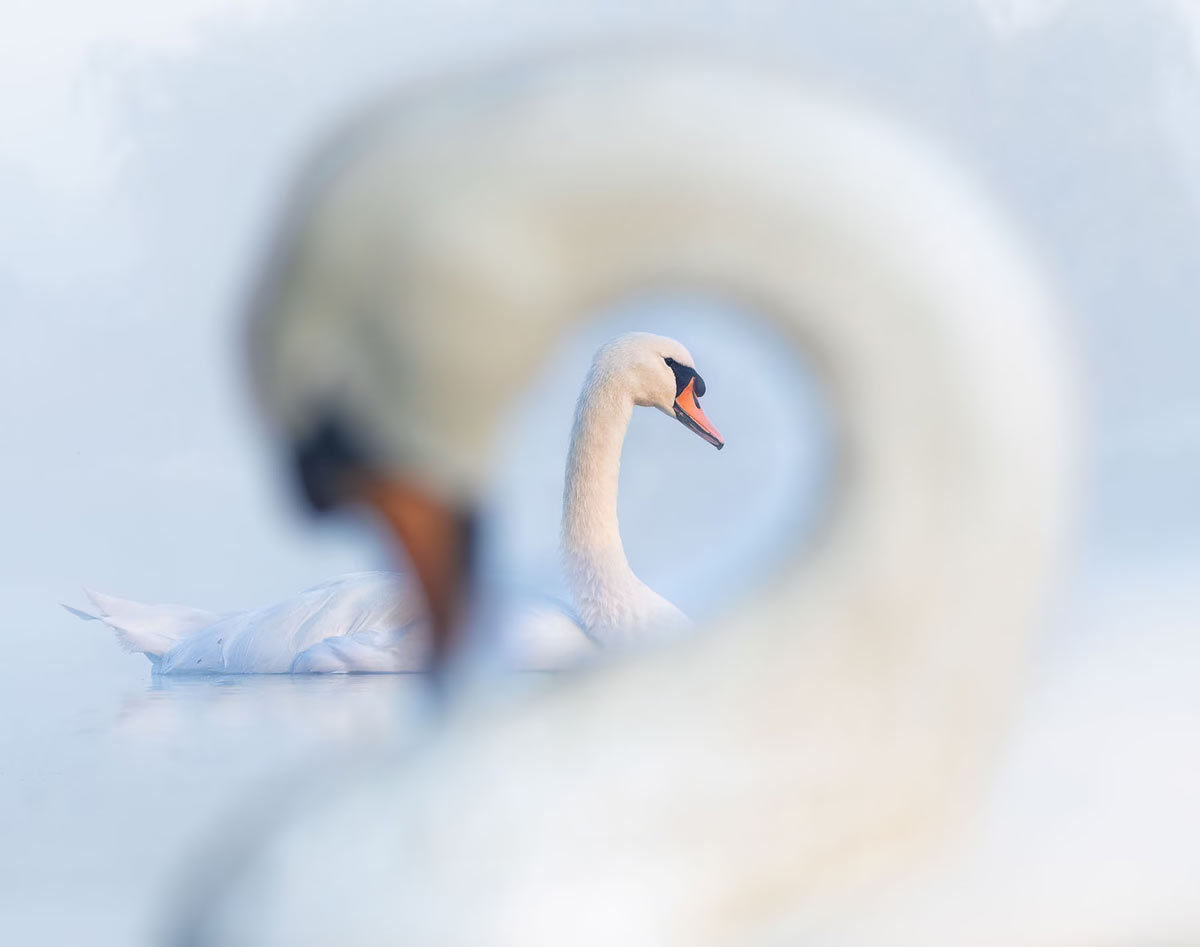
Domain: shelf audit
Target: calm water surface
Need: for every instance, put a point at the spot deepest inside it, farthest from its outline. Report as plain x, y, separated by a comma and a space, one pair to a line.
113, 782
109, 777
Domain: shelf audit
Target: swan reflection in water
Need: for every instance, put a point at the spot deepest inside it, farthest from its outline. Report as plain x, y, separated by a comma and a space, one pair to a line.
763, 781
351, 710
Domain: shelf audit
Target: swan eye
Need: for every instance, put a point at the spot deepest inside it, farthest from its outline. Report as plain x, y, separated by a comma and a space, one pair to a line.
683, 375
325, 461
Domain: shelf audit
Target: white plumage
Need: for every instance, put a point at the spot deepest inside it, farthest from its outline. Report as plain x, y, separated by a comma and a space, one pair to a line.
374, 621
821, 735
365, 621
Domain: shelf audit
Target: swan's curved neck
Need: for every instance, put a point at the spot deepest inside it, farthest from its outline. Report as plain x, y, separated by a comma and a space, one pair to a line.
591, 538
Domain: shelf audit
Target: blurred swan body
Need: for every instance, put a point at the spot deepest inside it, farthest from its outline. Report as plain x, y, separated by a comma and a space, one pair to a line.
374, 621
819, 737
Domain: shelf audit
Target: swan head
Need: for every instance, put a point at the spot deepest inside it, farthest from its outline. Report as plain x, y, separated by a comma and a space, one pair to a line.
655, 372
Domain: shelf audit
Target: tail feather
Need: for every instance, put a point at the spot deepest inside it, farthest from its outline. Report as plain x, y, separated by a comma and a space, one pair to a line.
150, 629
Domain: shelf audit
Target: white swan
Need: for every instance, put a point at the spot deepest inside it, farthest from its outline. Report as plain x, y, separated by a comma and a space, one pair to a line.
636, 369
374, 621
820, 736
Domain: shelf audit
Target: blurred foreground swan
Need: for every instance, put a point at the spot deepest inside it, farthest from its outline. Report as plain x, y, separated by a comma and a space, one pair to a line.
374, 621
751, 785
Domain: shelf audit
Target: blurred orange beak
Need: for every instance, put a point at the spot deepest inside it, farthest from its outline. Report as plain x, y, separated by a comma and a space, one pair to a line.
688, 411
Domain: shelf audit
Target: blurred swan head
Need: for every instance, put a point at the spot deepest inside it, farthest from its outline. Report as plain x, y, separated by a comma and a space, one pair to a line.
440, 245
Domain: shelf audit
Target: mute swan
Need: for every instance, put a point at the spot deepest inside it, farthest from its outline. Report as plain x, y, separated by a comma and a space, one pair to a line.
818, 738
373, 621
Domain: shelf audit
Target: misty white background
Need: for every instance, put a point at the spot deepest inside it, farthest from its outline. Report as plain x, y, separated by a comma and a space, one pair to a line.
143, 151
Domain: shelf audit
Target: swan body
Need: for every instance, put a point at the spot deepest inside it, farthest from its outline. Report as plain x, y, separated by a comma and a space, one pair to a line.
818, 739
373, 621
365, 621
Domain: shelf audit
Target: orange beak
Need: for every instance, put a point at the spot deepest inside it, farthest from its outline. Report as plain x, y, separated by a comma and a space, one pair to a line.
688, 411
